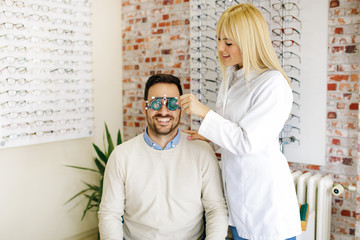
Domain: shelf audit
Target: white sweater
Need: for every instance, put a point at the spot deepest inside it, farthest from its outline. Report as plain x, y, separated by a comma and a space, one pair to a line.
259, 189
162, 194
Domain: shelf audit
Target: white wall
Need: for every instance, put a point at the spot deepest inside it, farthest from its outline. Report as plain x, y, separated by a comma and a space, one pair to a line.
34, 182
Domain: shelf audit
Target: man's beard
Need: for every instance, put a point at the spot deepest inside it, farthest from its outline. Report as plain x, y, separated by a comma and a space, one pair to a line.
159, 130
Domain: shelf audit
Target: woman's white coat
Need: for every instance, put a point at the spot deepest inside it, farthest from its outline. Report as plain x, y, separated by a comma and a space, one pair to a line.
257, 181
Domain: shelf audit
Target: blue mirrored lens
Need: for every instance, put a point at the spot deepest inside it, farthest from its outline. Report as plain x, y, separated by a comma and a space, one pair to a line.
156, 104
172, 106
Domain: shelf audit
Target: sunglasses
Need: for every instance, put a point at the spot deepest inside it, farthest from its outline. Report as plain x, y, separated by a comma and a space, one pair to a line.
169, 102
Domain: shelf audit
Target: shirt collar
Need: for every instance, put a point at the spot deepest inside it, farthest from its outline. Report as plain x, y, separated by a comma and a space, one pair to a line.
170, 145
240, 74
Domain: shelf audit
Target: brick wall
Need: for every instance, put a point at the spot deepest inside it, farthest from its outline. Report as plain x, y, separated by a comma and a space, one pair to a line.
156, 39
342, 116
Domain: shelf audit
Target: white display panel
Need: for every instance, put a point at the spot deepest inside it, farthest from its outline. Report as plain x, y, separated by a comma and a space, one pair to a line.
45, 74
313, 80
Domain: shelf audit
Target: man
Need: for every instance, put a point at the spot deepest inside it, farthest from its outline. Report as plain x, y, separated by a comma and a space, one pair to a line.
158, 185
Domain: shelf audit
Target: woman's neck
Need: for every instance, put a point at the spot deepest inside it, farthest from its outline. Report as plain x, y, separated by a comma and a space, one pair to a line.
238, 66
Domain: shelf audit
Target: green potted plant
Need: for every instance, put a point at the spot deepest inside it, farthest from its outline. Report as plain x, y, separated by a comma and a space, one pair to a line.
93, 192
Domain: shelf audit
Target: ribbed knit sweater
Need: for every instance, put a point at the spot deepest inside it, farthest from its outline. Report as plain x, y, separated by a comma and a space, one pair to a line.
162, 194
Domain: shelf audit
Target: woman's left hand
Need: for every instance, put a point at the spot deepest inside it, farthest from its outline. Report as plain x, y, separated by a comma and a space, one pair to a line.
193, 135
191, 105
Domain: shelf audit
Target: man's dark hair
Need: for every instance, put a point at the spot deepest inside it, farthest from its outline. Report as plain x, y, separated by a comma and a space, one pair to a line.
161, 78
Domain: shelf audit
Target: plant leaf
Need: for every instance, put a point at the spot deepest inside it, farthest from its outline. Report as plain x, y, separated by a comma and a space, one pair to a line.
101, 189
88, 205
119, 141
77, 204
109, 140
101, 155
78, 194
104, 145
83, 168
93, 196
100, 166
95, 199
93, 193
92, 186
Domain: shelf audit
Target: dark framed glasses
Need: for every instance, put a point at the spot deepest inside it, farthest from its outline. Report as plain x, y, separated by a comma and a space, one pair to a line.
286, 19
157, 102
288, 140
285, 31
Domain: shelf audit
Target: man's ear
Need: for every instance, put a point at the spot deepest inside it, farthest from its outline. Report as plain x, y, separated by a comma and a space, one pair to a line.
143, 105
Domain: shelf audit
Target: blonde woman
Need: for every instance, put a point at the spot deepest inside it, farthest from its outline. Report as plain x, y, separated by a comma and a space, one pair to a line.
254, 101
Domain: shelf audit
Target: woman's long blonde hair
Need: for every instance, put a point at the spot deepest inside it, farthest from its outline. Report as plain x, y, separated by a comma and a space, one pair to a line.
246, 26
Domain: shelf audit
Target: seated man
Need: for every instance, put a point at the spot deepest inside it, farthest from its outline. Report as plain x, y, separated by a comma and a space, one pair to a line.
158, 185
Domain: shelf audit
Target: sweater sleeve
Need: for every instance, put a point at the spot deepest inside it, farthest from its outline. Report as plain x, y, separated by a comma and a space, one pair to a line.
213, 200
112, 202
260, 126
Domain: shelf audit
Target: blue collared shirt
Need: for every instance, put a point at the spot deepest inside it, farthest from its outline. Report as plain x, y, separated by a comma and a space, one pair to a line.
170, 145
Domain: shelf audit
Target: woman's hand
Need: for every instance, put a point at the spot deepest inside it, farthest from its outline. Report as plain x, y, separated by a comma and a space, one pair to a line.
191, 105
195, 135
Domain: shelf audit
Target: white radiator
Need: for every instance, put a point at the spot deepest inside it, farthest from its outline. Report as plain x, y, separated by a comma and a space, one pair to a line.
316, 191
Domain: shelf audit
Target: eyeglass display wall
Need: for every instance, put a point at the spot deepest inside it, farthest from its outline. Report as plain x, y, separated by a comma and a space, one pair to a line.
293, 29
45, 74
